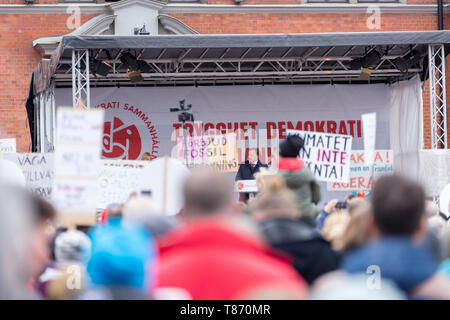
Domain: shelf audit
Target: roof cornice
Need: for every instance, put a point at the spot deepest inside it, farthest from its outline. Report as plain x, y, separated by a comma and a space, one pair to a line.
174, 8
146, 3
326, 8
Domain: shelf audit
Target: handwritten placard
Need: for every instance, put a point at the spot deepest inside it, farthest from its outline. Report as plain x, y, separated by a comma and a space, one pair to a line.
8, 145
118, 179
362, 177
37, 169
216, 151
327, 155
77, 158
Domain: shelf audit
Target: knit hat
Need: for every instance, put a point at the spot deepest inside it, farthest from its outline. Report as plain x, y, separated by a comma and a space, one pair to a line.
290, 147
71, 246
121, 254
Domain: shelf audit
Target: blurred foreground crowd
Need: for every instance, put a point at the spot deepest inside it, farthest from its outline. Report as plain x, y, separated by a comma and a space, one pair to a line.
397, 246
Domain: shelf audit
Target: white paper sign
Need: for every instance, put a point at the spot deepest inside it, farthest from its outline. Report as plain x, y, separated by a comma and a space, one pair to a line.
362, 176
327, 155
8, 145
37, 169
77, 156
118, 179
165, 179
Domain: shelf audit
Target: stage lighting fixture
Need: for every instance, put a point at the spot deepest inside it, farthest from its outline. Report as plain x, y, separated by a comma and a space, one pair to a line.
355, 64
406, 62
144, 67
101, 67
371, 59
401, 64
134, 75
129, 61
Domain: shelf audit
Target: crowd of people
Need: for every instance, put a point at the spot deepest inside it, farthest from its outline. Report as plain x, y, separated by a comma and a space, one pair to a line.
277, 245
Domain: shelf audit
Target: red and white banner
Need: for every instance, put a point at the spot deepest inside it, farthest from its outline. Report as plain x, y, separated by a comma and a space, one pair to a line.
138, 120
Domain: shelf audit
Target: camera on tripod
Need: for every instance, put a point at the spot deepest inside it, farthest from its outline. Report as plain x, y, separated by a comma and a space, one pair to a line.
184, 114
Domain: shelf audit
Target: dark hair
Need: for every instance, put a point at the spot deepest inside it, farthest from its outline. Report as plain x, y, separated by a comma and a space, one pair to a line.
398, 205
44, 210
291, 146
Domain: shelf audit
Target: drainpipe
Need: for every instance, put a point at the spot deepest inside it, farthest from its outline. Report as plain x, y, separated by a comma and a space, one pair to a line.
440, 13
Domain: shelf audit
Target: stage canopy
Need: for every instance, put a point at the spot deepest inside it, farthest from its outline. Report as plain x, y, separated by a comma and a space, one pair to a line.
246, 59
238, 59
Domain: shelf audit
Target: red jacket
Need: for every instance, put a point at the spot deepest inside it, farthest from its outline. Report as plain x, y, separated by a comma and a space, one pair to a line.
212, 260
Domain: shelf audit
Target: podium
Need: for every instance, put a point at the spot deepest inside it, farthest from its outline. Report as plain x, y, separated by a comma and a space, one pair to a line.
246, 186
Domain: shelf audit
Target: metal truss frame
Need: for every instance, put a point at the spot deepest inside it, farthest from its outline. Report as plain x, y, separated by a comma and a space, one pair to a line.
80, 78
284, 68
438, 103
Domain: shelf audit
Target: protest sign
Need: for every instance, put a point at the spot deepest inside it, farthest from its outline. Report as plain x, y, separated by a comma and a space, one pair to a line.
164, 179
118, 179
37, 169
216, 151
8, 145
76, 164
362, 176
327, 155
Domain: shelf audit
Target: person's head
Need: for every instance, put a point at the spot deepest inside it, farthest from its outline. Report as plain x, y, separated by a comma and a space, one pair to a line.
114, 212
290, 147
207, 193
276, 201
355, 204
262, 178
140, 208
16, 242
359, 229
253, 155
146, 212
349, 197
72, 246
334, 229
147, 156
44, 214
398, 206
121, 256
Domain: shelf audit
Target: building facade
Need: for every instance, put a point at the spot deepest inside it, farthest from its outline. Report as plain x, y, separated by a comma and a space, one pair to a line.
31, 30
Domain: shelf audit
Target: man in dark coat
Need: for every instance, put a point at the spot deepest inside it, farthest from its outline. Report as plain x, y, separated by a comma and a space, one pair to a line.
248, 169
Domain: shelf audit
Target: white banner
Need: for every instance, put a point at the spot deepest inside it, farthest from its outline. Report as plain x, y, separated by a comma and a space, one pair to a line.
364, 171
138, 120
37, 169
326, 155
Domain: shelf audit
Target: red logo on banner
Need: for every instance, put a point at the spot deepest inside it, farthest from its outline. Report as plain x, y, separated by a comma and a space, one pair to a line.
240, 185
121, 141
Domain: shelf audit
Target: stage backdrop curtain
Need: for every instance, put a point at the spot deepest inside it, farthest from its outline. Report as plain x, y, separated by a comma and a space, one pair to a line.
406, 123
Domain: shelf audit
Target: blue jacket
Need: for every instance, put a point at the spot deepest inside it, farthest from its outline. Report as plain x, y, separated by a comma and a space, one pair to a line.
398, 258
